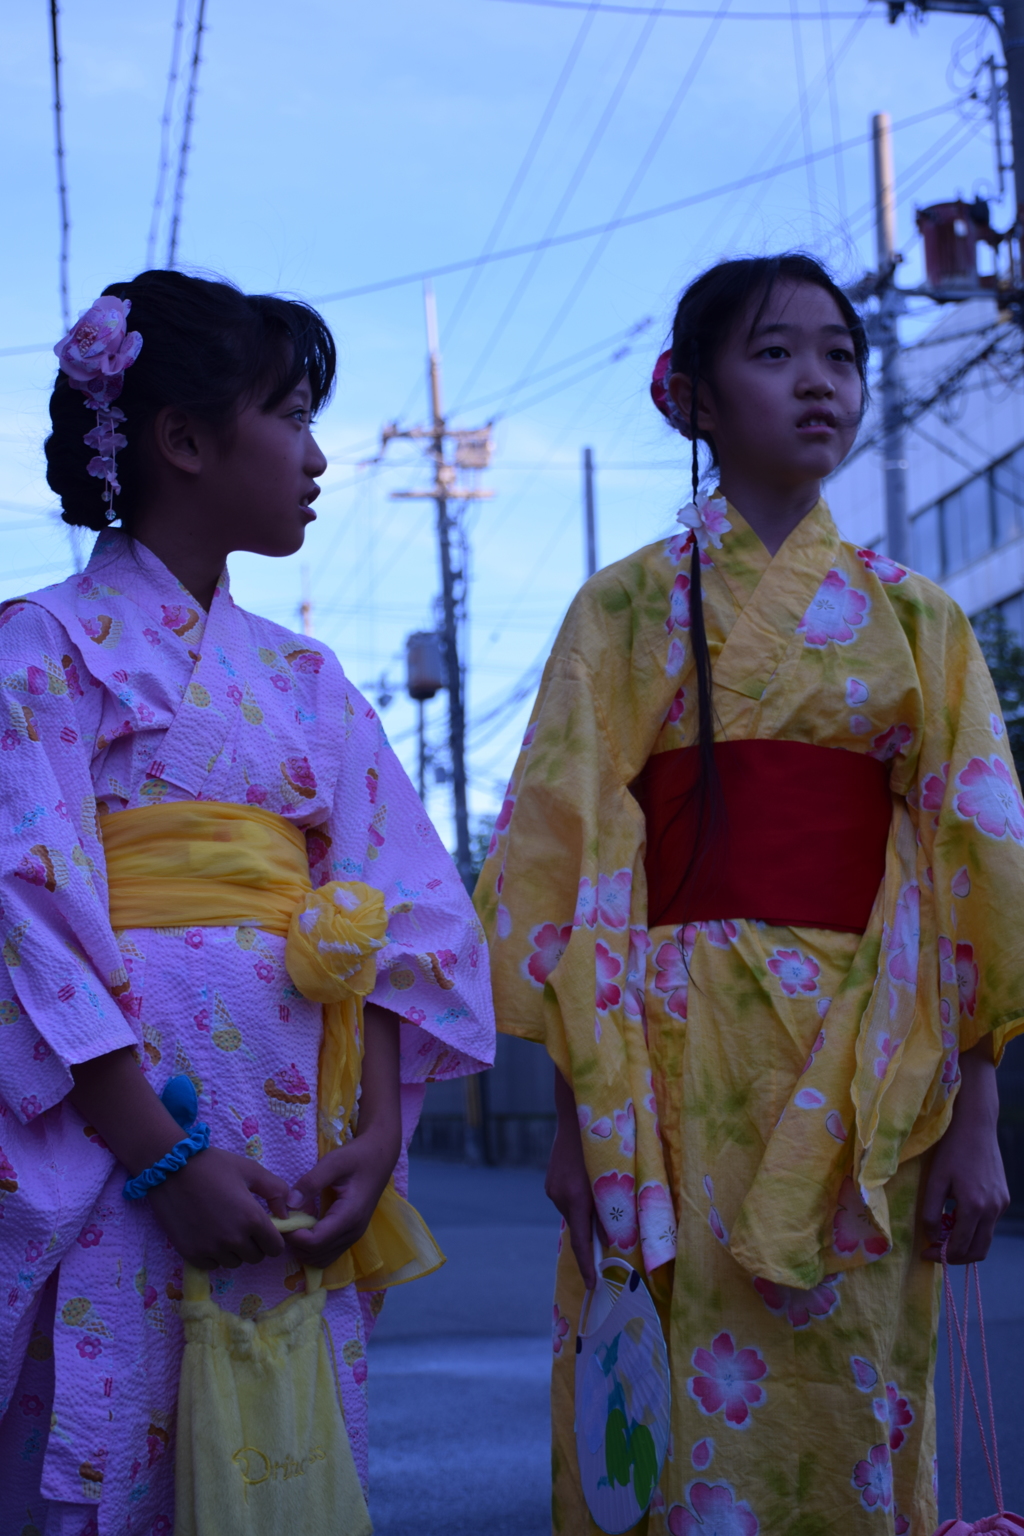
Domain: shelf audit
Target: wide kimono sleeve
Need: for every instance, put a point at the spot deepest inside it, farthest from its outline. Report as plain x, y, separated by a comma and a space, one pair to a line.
433, 970
65, 994
966, 801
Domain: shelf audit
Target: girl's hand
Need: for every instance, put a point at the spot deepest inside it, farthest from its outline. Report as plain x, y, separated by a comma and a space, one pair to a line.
209, 1211
967, 1167
208, 1208
567, 1184
358, 1172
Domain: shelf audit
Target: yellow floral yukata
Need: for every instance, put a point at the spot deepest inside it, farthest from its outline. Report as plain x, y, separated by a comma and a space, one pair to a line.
754, 1101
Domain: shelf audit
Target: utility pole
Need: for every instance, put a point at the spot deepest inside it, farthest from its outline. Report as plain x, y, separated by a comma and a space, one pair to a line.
890, 303
589, 522
473, 450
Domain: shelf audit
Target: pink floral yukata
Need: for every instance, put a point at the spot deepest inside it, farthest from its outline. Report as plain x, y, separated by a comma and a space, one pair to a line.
94, 671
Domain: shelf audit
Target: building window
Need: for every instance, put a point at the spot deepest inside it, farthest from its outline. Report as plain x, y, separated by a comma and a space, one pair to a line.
983, 514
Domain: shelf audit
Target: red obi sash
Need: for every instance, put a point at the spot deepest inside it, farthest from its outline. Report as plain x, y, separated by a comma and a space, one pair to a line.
801, 843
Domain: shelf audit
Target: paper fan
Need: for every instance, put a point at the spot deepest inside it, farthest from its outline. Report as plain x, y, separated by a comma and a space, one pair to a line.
623, 1397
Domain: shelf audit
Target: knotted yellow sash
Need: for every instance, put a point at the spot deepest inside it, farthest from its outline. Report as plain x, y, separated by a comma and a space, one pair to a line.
210, 863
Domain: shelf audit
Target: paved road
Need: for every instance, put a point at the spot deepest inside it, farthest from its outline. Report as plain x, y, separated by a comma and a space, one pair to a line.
459, 1367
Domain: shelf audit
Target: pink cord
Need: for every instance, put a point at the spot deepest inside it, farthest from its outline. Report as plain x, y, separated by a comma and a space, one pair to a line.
958, 1383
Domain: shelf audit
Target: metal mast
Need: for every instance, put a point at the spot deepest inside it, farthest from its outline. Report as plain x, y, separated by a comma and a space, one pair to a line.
890, 304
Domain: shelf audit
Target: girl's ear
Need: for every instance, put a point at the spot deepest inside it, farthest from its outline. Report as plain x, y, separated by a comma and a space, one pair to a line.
681, 390
177, 441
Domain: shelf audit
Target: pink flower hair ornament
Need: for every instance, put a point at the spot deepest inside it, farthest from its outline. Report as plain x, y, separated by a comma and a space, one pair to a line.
660, 395
94, 355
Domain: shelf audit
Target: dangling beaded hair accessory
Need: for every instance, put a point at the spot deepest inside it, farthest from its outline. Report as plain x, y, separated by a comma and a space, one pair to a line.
706, 519
94, 355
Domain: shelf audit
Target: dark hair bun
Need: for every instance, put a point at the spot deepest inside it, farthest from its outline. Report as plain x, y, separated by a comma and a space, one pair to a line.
206, 347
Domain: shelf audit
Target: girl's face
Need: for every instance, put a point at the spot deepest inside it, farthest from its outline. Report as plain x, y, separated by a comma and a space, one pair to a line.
262, 476
784, 402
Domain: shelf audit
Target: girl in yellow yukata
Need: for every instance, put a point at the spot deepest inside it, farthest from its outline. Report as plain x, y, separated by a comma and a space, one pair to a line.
757, 887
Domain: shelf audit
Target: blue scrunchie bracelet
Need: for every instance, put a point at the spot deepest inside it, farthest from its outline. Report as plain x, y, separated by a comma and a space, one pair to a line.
197, 1140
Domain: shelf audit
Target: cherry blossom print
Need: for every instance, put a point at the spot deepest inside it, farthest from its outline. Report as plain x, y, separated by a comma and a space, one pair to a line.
796, 973
800, 1307
891, 742
852, 1227
531, 732
625, 1128
559, 1329
823, 1005
718, 1226
951, 1070
900, 1524
988, 795
873, 1477
947, 969
886, 1050
679, 604
885, 569
676, 547
503, 923
966, 979
856, 692
702, 1454
585, 915
613, 898
636, 973
504, 817
894, 1411
905, 938
835, 613
834, 1125
677, 708
810, 1098
657, 1219
720, 933
728, 1380
549, 945
602, 1128
815, 1048
616, 1209
864, 1374
860, 725
673, 664
933, 790
998, 728
961, 883
714, 1511
671, 978
607, 966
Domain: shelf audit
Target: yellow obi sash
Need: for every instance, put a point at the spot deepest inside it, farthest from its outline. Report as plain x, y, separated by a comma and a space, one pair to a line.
209, 863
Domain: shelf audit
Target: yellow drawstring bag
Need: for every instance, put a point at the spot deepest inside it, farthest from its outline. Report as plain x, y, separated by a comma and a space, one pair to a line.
262, 1448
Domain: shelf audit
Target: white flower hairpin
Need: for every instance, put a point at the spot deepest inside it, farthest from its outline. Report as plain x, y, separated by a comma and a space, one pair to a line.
707, 522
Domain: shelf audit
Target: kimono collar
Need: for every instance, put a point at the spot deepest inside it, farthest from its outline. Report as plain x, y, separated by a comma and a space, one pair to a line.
115, 551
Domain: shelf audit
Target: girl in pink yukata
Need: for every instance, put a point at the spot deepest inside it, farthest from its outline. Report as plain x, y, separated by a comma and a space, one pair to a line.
139, 683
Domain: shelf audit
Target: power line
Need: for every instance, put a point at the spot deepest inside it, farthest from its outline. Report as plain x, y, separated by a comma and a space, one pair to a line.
186, 134
62, 184
579, 171
627, 197
833, 103
805, 114
524, 166
164, 163
646, 10
567, 362
592, 230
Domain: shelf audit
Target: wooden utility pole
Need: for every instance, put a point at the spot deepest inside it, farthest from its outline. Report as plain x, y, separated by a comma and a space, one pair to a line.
472, 452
